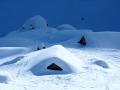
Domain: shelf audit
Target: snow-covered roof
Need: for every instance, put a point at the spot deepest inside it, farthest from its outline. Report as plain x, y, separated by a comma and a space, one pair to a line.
55, 54
36, 22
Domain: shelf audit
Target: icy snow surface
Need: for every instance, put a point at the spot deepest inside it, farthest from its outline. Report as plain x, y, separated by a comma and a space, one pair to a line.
26, 53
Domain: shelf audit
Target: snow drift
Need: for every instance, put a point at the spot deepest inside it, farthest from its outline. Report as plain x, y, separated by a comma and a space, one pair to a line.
36, 22
34, 52
39, 61
66, 27
68, 34
5, 77
9, 51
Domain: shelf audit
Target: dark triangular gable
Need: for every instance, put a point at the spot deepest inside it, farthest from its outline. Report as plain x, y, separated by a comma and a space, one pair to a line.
53, 66
82, 41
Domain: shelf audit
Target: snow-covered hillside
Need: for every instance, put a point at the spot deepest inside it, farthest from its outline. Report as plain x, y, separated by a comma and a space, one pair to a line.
40, 57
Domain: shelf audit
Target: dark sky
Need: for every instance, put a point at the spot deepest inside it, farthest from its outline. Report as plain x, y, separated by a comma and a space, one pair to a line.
98, 15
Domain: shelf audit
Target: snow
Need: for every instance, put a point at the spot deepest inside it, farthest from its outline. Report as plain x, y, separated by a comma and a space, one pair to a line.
66, 27
92, 77
23, 66
56, 54
101, 63
35, 23
9, 51
53, 36
12, 61
5, 77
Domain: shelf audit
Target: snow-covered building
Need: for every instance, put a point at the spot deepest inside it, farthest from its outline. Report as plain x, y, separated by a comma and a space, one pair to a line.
36, 22
53, 60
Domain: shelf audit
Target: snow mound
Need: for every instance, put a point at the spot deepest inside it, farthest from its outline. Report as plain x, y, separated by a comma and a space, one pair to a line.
12, 61
9, 51
66, 27
36, 22
40, 61
101, 63
5, 77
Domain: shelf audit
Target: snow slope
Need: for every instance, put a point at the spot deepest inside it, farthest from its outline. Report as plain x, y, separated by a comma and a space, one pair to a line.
92, 77
54, 36
25, 55
9, 51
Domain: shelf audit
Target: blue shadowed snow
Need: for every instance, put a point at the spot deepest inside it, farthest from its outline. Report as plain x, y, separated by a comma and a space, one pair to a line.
101, 63
13, 61
3, 79
41, 68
